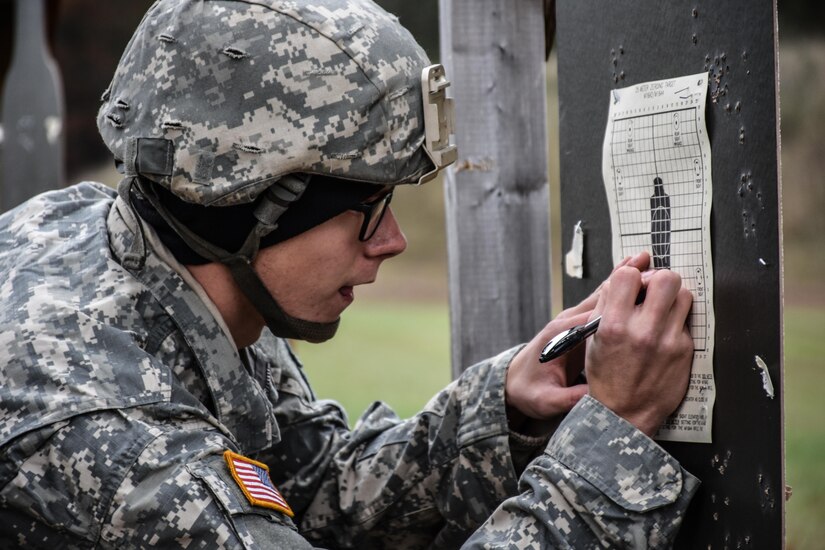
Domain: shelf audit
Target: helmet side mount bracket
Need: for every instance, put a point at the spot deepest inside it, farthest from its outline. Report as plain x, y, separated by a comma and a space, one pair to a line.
438, 120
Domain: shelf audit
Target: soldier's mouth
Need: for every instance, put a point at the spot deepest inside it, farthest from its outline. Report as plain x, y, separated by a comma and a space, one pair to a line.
347, 292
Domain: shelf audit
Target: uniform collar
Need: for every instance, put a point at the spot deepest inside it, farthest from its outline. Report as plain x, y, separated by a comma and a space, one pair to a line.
240, 401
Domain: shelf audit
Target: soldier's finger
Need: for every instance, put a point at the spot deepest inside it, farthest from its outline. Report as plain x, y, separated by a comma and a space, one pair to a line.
625, 284
640, 261
660, 295
680, 312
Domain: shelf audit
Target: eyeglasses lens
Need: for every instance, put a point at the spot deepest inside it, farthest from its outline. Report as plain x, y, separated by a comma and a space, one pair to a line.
374, 217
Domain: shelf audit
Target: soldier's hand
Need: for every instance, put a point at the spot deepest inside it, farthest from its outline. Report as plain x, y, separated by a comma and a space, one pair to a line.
542, 391
638, 361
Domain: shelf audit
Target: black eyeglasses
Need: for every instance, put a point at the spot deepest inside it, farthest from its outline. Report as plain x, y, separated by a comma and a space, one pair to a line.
373, 211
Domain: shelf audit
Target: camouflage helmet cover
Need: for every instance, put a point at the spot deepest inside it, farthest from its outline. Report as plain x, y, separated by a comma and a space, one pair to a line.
217, 99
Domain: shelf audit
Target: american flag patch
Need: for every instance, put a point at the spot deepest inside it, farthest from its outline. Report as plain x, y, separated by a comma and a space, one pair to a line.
253, 479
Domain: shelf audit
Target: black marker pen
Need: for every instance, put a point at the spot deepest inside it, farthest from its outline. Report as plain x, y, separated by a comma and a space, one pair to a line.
567, 340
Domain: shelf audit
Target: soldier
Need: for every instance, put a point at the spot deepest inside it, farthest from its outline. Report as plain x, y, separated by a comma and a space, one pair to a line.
148, 396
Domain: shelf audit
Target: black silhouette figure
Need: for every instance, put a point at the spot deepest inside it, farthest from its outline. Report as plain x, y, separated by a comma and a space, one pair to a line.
660, 225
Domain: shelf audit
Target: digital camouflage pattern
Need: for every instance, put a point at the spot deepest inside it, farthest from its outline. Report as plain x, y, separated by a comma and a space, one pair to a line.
228, 95
120, 392
599, 484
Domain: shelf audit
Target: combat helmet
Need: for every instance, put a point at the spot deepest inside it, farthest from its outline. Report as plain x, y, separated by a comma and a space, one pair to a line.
229, 102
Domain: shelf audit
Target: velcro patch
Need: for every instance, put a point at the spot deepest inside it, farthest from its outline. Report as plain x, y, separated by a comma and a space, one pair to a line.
253, 479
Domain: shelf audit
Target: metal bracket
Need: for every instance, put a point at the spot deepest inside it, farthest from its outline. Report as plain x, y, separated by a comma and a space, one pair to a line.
438, 119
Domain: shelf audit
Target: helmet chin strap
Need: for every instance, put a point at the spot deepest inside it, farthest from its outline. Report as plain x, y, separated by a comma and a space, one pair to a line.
272, 204
279, 322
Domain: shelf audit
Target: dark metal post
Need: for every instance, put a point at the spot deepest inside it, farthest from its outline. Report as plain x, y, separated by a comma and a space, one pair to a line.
32, 112
607, 45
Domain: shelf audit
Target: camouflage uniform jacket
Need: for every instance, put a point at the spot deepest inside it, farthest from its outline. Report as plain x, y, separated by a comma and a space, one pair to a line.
120, 392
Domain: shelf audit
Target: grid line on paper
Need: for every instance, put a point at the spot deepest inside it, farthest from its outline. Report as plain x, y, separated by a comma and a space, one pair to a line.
659, 183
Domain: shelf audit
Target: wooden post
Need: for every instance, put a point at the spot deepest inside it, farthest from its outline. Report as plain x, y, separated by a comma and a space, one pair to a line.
497, 192
32, 112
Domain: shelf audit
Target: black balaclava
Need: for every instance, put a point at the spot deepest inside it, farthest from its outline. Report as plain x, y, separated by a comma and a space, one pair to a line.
232, 235
228, 226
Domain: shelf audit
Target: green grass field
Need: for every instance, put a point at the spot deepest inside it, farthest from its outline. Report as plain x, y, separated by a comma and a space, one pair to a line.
805, 427
399, 353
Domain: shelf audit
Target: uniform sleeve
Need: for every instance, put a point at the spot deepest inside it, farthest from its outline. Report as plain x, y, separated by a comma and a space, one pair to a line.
600, 483
179, 492
119, 479
428, 481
